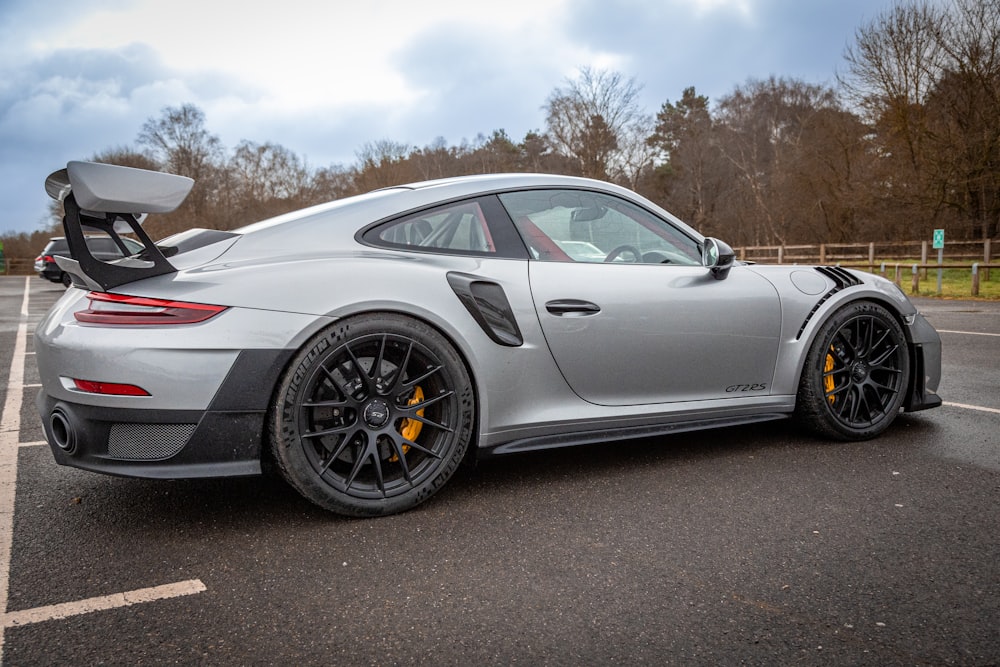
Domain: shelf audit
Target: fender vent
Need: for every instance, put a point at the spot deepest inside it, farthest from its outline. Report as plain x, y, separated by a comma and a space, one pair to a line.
842, 279
147, 442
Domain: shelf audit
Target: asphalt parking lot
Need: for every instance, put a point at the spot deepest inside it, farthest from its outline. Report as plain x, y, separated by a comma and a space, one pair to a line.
739, 546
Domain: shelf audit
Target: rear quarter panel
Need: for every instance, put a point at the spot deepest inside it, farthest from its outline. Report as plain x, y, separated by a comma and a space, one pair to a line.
325, 288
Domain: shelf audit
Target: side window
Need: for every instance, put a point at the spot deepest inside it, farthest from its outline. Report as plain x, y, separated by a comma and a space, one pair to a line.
459, 227
582, 226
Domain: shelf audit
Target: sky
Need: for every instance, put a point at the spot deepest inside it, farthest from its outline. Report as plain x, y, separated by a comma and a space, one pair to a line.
323, 78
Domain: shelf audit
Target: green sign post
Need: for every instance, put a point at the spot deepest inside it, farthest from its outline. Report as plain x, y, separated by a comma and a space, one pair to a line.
939, 245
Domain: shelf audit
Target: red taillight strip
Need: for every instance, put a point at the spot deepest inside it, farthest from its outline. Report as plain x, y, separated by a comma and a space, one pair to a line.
109, 388
135, 310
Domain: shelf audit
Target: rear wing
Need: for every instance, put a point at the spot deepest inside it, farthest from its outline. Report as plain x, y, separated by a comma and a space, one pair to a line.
113, 200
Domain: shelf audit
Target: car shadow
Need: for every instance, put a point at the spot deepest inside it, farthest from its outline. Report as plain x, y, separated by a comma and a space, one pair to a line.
267, 501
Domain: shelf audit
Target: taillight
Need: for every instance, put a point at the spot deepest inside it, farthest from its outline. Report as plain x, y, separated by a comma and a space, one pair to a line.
134, 310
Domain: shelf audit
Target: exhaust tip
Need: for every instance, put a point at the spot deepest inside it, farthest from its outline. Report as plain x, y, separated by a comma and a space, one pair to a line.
63, 433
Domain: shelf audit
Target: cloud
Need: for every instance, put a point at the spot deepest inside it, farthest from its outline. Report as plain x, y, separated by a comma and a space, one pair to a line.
72, 103
324, 78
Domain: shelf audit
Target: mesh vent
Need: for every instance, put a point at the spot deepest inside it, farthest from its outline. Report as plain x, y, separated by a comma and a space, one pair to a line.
147, 442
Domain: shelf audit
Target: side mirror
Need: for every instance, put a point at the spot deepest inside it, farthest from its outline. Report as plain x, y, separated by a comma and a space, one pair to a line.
718, 257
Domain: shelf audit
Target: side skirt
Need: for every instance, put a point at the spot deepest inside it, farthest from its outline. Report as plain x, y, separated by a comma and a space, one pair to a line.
553, 441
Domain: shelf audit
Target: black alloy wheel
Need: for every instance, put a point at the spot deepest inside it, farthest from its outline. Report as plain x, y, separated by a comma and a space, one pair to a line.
373, 416
856, 374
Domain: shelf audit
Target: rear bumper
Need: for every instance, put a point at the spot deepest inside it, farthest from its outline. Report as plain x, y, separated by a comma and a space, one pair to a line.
224, 440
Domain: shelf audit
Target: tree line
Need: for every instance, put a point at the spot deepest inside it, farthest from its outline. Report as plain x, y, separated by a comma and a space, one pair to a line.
907, 141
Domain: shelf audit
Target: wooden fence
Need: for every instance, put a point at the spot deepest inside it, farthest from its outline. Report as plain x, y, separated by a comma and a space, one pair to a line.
871, 256
17, 267
874, 253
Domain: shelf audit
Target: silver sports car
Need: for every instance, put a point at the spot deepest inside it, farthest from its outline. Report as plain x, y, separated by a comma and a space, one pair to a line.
369, 345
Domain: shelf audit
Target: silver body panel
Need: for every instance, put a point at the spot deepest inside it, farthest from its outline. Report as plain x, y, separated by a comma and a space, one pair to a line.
664, 333
670, 345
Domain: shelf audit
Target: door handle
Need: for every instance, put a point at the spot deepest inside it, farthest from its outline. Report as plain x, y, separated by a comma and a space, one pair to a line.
572, 307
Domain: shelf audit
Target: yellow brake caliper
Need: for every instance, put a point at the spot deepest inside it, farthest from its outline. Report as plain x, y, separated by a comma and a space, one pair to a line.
828, 377
410, 428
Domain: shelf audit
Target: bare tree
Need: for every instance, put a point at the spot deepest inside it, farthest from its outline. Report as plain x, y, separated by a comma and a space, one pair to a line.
761, 130
596, 120
268, 171
333, 182
180, 144
964, 115
891, 69
436, 160
266, 180
383, 163
927, 76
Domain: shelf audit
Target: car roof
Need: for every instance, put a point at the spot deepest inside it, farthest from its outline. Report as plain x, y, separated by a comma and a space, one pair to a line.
356, 212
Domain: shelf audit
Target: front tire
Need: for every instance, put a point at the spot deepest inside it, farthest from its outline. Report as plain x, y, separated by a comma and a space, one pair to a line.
373, 416
854, 380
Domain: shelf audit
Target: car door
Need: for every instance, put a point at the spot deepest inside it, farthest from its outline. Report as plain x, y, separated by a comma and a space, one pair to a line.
652, 325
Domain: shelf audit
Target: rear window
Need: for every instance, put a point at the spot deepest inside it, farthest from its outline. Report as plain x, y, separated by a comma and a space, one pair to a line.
104, 245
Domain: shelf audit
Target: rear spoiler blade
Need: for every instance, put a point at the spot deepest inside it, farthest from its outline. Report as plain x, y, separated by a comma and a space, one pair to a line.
113, 200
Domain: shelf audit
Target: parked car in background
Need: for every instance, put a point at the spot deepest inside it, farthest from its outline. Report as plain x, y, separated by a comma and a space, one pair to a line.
102, 247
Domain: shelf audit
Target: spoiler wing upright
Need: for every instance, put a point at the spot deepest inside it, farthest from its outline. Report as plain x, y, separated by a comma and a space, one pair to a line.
112, 199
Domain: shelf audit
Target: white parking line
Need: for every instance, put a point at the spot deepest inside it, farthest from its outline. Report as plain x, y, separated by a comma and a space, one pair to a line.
67, 609
971, 407
10, 430
967, 333
35, 443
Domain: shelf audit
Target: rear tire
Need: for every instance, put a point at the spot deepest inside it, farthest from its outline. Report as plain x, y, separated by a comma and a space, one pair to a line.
855, 376
373, 416
66, 280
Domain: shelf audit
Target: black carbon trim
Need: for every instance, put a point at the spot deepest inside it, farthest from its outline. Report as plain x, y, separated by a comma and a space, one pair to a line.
107, 275
227, 440
842, 279
251, 381
487, 303
919, 398
840, 276
594, 437
224, 444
